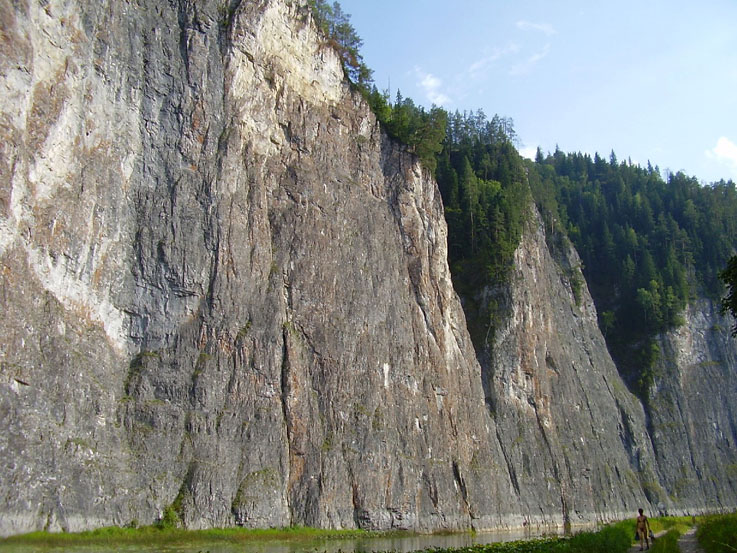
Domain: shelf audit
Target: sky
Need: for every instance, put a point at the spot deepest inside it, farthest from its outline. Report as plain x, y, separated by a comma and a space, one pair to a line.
651, 80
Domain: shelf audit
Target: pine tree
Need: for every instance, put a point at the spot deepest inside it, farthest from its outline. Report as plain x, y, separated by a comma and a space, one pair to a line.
729, 302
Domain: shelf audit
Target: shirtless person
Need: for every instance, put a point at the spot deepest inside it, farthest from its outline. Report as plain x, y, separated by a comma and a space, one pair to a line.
643, 529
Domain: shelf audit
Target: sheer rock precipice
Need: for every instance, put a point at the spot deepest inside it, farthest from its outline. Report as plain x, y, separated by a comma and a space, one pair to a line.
225, 295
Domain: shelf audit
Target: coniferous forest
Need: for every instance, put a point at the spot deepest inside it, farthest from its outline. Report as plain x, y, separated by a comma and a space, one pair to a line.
649, 241
649, 244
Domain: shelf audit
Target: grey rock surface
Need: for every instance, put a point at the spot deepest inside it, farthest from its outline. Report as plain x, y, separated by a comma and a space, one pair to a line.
577, 442
574, 438
225, 292
692, 417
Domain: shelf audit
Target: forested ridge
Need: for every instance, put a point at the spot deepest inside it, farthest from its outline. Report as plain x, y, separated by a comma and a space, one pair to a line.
648, 243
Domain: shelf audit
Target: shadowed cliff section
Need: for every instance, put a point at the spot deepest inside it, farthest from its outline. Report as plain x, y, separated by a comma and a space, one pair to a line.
575, 439
691, 413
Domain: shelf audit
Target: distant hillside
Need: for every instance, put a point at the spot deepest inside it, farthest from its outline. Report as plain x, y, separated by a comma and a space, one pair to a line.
649, 245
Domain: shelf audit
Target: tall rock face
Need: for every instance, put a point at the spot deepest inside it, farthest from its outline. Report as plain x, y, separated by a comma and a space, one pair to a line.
225, 296
575, 440
693, 413
224, 290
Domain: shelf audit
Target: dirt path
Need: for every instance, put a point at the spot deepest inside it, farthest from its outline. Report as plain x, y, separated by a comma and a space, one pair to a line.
688, 542
636, 548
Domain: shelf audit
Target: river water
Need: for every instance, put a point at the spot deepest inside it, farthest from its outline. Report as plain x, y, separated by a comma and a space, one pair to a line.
399, 544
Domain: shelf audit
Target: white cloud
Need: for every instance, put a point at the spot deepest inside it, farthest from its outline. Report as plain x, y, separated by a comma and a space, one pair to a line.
478, 68
528, 152
724, 152
527, 65
431, 85
546, 28
534, 58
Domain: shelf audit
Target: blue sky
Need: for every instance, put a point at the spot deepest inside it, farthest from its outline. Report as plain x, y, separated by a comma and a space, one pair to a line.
650, 79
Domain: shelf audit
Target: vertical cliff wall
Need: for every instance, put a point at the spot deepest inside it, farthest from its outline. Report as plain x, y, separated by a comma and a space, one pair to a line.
576, 441
574, 438
225, 292
692, 413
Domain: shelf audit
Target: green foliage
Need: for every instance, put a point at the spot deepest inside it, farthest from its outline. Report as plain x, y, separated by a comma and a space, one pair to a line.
576, 282
335, 25
718, 534
666, 543
421, 130
729, 302
170, 518
484, 187
114, 536
648, 245
614, 538
645, 356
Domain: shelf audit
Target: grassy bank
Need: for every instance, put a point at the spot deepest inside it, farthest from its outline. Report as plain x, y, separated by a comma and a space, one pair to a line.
158, 535
718, 533
614, 538
667, 543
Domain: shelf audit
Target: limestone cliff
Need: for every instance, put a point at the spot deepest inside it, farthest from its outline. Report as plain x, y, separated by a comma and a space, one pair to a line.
225, 293
574, 438
692, 415
576, 441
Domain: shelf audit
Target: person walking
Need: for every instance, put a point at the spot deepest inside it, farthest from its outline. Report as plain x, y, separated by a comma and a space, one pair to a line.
643, 530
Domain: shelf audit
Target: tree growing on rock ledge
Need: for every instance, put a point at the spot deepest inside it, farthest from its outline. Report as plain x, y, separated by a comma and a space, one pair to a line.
729, 303
335, 24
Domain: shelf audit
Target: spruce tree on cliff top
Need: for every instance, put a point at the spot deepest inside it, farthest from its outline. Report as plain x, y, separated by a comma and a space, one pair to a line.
729, 303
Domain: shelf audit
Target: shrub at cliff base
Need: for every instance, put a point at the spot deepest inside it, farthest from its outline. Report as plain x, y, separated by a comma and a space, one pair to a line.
718, 533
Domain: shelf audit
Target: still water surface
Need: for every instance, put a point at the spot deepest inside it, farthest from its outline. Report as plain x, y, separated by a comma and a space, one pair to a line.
400, 544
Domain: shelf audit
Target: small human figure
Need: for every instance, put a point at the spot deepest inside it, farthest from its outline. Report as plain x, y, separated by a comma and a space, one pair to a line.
643, 529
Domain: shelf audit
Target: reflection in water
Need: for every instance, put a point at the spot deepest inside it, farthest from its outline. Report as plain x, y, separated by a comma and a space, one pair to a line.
400, 544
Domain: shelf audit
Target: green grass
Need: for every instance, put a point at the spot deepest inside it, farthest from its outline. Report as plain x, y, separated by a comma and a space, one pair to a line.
614, 538
718, 533
607, 540
667, 543
714, 533
158, 535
